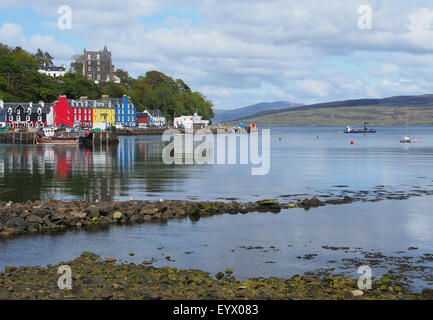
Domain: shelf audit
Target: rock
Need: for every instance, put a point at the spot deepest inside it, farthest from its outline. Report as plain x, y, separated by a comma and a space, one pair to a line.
268, 202
57, 217
117, 215
146, 211
427, 293
219, 275
2, 227
10, 269
289, 205
34, 219
61, 210
110, 260
106, 295
145, 262
312, 203
229, 271
357, 293
78, 214
105, 209
93, 211
16, 223
4, 234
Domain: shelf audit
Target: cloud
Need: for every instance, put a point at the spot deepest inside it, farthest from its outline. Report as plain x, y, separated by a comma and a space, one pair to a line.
238, 52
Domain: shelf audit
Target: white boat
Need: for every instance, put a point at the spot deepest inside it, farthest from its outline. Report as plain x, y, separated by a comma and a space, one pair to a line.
406, 140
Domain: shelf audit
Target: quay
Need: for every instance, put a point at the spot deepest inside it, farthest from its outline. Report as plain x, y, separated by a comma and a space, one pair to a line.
160, 131
94, 138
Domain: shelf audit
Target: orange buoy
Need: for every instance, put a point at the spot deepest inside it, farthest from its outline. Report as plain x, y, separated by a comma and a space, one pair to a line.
351, 142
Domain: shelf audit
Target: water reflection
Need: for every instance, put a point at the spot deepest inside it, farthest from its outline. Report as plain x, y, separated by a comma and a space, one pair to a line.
300, 164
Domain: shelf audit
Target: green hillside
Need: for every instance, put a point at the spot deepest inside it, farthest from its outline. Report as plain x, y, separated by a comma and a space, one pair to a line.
416, 111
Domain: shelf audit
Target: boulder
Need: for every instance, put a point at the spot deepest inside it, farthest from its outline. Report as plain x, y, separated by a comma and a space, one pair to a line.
78, 214
18, 223
34, 219
57, 217
117, 215
149, 211
93, 211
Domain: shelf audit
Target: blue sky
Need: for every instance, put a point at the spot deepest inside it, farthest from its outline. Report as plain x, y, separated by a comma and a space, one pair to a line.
243, 52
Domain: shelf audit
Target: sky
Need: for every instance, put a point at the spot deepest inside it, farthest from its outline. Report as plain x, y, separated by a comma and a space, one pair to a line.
239, 52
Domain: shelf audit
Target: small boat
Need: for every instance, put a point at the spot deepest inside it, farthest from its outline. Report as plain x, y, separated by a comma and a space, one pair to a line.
42, 139
406, 140
365, 130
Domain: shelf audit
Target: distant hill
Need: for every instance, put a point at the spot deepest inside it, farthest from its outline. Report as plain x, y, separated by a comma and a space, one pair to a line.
415, 110
228, 115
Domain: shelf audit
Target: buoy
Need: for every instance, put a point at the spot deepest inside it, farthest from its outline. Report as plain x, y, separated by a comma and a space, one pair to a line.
280, 138
351, 142
415, 141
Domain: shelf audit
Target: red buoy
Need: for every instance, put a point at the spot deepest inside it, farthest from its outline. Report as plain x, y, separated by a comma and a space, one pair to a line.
351, 142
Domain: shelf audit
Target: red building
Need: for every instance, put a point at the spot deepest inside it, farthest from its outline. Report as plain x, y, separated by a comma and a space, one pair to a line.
73, 112
142, 117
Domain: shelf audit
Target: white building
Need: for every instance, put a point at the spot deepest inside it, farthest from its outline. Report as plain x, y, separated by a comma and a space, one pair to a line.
52, 71
156, 118
189, 122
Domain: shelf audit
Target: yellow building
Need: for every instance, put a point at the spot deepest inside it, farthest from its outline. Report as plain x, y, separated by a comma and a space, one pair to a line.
103, 114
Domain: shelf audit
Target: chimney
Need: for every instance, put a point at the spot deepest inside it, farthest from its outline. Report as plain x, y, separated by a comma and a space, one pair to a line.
83, 98
42, 103
31, 104
1, 104
105, 97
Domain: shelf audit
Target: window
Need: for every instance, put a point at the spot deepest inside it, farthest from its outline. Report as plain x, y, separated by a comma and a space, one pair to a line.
98, 69
39, 118
29, 110
28, 118
11, 118
18, 118
89, 57
39, 111
89, 76
18, 111
90, 68
10, 110
97, 56
98, 76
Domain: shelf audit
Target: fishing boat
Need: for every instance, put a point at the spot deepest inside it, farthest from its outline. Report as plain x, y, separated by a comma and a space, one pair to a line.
47, 136
406, 140
365, 130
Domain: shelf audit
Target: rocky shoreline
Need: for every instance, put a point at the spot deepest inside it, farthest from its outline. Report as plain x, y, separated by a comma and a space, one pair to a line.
53, 216
97, 278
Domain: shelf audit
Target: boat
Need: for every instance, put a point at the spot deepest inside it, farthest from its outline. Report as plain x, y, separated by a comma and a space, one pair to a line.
406, 140
47, 136
365, 130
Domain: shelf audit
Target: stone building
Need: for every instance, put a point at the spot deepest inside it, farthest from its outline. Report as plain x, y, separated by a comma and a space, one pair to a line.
98, 66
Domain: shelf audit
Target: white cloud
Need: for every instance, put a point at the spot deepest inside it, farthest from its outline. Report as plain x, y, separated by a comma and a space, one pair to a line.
239, 51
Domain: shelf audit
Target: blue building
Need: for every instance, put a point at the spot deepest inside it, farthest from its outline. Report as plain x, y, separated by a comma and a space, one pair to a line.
125, 111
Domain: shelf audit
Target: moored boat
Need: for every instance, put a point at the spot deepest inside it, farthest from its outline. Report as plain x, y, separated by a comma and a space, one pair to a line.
406, 140
365, 130
41, 139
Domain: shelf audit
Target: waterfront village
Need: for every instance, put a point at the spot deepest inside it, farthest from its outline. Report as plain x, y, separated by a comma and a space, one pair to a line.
119, 112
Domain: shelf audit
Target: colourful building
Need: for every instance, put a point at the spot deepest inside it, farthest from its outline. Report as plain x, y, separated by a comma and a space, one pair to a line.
104, 113
125, 111
70, 112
